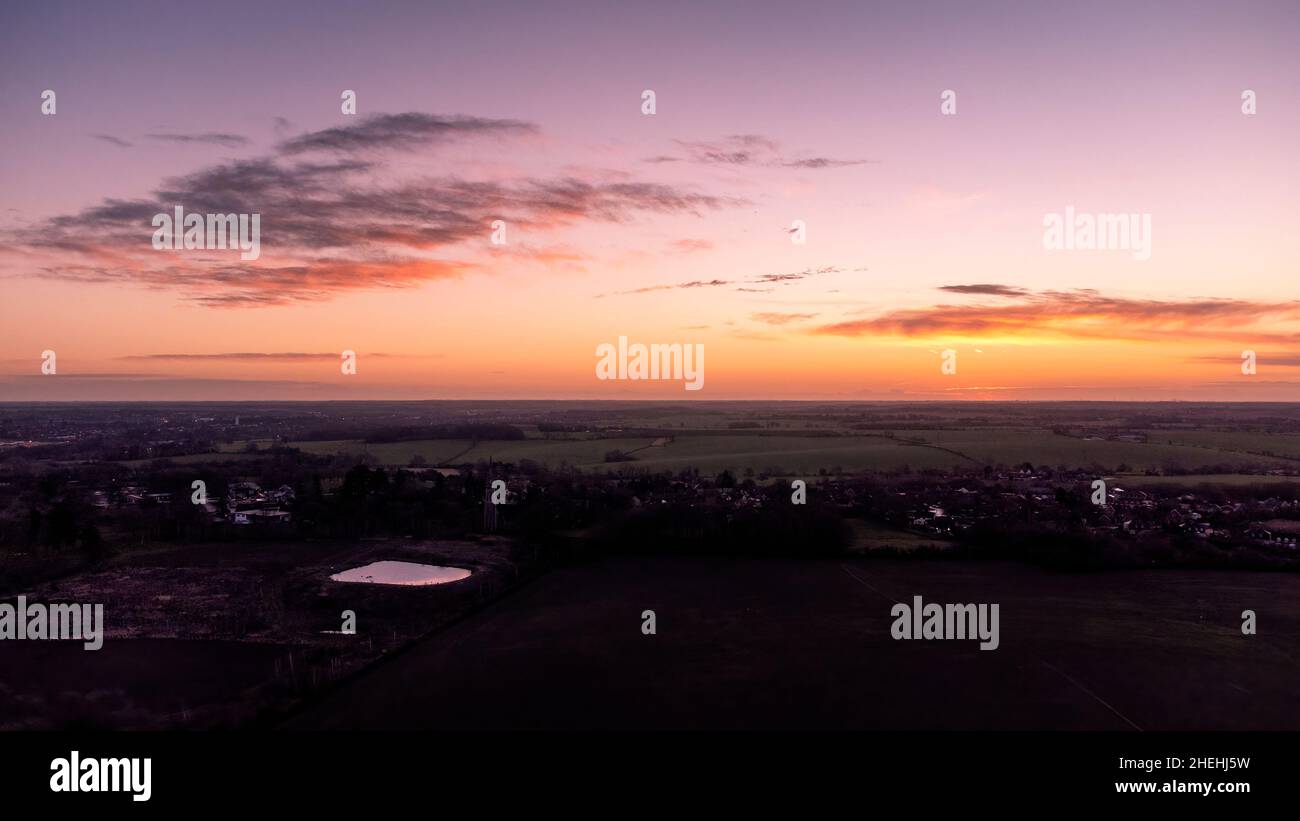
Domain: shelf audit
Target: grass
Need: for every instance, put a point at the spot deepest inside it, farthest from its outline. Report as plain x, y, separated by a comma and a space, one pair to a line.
433, 451
1278, 444
1226, 479
194, 458
781, 644
868, 536
1013, 446
795, 454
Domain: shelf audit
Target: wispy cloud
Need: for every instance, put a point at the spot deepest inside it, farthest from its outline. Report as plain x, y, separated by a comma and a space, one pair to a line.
110, 139
210, 138
1079, 314
749, 150
330, 225
744, 285
777, 318
248, 356
984, 289
698, 283
405, 131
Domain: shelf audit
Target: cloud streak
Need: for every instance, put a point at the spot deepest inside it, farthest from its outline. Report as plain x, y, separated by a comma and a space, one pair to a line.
743, 285
247, 356
405, 131
746, 150
330, 224
111, 140
210, 138
777, 318
1078, 314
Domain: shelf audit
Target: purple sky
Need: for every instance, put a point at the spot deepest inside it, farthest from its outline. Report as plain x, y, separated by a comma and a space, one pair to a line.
767, 112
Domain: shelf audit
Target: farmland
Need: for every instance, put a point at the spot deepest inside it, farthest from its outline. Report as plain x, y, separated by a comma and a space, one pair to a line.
782, 453
789, 644
684, 508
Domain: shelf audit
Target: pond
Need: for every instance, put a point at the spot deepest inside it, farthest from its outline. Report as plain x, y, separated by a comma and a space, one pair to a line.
409, 573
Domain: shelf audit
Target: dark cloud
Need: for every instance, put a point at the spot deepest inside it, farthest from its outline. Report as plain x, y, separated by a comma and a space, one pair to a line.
712, 283
404, 131
746, 150
109, 138
823, 162
210, 138
757, 279
984, 289
1079, 314
798, 275
328, 226
738, 149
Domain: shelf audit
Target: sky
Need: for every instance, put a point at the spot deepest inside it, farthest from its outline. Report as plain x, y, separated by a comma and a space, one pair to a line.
922, 272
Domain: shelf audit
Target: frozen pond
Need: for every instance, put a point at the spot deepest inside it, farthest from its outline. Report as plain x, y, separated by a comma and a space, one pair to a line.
410, 573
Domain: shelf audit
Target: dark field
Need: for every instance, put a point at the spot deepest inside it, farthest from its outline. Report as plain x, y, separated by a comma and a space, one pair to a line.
130, 682
1116, 612
791, 644
215, 635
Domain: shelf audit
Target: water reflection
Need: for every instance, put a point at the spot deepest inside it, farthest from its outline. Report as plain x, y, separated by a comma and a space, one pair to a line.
410, 573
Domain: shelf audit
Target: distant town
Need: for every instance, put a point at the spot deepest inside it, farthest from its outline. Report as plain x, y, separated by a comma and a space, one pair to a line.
106, 477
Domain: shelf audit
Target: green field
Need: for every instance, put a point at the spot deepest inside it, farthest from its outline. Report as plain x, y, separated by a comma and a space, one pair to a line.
792, 454
1227, 479
796, 454
434, 451
1278, 444
869, 536
193, 458
1013, 446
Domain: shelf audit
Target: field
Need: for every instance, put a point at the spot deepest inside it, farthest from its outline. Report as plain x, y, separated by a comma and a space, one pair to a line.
1278, 444
711, 453
784, 438
869, 536
940, 449
1012, 446
434, 451
1227, 479
806, 644
213, 634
